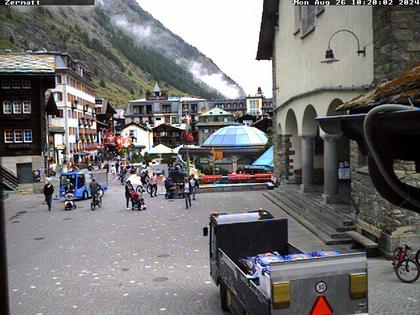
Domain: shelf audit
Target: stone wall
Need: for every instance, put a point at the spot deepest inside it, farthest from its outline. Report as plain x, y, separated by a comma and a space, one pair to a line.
397, 225
37, 164
396, 40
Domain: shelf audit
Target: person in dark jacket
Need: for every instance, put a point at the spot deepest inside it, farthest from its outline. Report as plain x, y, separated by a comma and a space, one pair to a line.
128, 190
48, 193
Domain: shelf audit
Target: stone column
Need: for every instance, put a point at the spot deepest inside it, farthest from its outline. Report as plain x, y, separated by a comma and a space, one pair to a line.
234, 164
307, 155
330, 194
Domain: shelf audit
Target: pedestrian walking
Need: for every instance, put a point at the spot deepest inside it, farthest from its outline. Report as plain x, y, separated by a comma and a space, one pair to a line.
113, 171
153, 185
117, 167
123, 171
128, 190
194, 186
187, 191
48, 193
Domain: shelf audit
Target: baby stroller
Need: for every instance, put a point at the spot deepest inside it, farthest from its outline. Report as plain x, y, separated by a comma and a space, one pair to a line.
137, 201
69, 203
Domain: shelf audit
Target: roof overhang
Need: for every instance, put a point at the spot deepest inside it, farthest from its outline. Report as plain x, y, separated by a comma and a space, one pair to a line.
268, 23
396, 136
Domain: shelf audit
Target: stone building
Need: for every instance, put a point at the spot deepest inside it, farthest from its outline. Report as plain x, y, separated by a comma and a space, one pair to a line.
370, 44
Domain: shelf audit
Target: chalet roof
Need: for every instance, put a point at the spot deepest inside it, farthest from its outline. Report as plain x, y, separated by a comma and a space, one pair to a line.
401, 90
137, 125
27, 63
166, 127
263, 124
216, 112
268, 22
106, 107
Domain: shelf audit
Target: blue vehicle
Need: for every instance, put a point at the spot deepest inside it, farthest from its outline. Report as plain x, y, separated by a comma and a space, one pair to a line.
79, 182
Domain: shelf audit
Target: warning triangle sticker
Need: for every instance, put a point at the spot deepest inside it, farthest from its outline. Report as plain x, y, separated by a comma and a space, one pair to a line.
321, 307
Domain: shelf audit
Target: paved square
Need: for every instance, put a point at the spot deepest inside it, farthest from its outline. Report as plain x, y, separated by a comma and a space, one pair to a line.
116, 261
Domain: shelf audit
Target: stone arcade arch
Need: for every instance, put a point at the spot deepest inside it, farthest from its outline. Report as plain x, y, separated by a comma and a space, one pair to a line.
292, 132
309, 136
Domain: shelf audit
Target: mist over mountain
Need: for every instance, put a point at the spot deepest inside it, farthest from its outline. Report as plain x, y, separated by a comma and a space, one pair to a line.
124, 46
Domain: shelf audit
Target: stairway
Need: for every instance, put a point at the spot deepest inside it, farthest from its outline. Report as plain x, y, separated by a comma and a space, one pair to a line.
8, 180
328, 222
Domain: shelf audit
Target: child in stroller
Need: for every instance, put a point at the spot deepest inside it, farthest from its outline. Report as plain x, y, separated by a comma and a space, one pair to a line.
137, 200
69, 203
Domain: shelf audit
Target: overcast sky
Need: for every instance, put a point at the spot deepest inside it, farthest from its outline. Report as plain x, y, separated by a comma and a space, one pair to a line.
224, 30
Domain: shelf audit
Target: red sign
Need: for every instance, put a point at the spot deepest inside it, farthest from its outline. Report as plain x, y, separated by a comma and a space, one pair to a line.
321, 307
109, 138
122, 143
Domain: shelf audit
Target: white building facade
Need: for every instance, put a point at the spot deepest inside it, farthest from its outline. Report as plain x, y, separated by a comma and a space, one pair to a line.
75, 98
140, 135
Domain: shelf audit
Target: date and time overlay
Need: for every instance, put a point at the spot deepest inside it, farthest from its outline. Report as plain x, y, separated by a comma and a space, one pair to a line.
295, 2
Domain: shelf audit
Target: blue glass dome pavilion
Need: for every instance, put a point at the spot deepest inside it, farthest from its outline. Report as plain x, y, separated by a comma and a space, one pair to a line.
240, 146
236, 136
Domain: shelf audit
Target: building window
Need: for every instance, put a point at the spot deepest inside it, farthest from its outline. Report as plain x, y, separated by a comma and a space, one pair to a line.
8, 136
26, 83
27, 107
27, 135
58, 79
158, 118
167, 120
175, 120
17, 107
58, 96
305, 18
5, 84
18, 135
15, 84
7, 107
206, 130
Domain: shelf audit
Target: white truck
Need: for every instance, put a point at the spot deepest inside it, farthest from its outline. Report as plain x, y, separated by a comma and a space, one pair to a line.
318, 285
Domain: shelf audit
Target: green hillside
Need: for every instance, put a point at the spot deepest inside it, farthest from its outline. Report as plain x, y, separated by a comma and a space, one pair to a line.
122, 69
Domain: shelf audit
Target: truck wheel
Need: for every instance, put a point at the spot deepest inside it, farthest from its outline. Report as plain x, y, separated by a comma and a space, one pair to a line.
223, 297
85, 195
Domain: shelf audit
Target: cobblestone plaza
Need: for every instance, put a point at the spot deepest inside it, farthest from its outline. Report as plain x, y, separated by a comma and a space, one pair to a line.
116, 261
